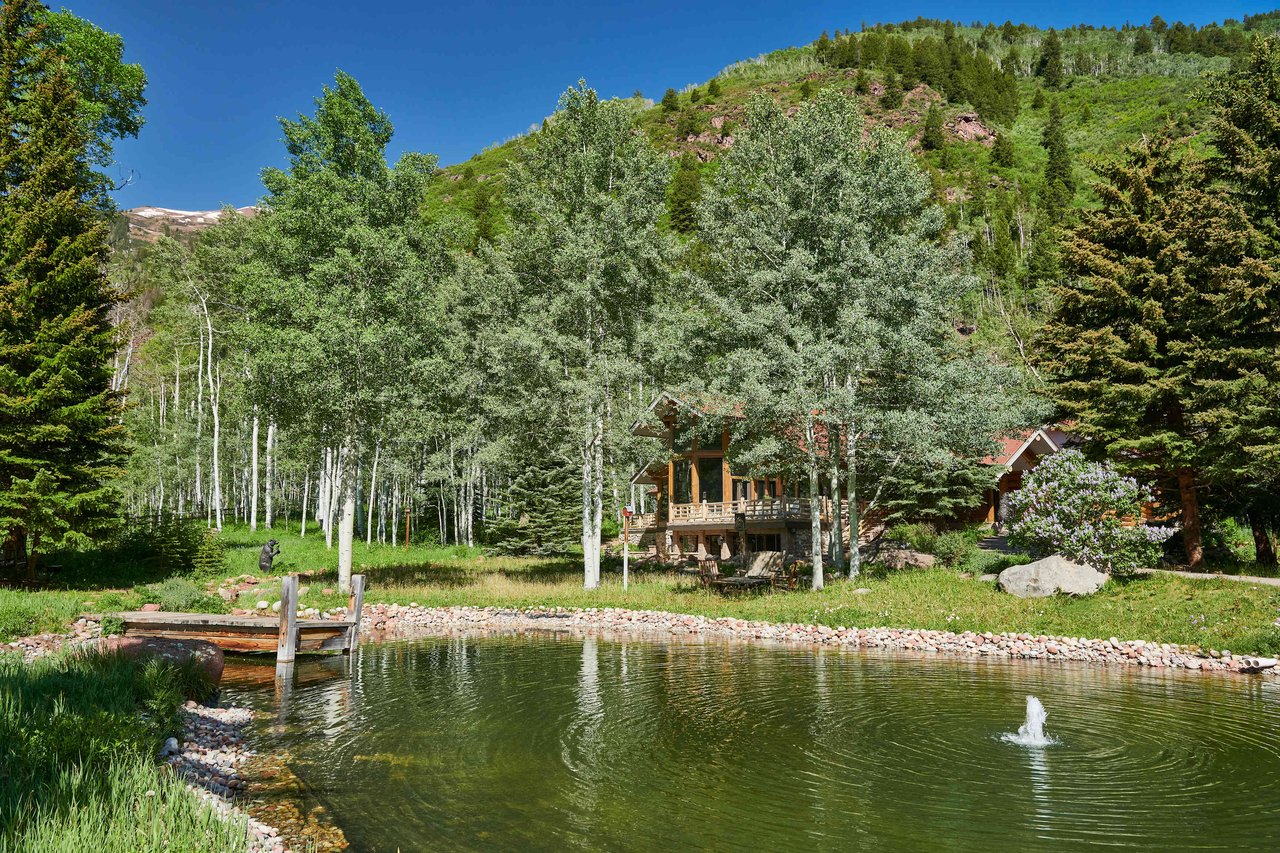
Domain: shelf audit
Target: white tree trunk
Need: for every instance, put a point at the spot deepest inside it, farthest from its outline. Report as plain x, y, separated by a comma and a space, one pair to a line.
306, 494
215, 392
373, 490
815, 517
268, 516
253, 476
590, 560
346, 529
855, 516
837, 526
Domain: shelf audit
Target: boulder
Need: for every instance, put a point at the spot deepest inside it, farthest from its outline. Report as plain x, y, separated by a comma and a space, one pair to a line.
1050, 576
151, 607
203, 652
902, 558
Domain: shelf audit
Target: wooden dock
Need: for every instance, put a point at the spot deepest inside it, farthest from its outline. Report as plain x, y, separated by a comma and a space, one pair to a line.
285, 634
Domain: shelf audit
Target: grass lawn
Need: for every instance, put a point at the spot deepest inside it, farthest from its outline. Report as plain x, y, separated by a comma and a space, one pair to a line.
1211, 613
78, 739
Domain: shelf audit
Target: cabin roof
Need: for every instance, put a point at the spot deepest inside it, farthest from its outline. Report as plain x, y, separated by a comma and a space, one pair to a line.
697, 404
1042, 441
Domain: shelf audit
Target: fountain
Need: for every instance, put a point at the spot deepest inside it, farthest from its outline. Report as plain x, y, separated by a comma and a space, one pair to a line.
1031, 732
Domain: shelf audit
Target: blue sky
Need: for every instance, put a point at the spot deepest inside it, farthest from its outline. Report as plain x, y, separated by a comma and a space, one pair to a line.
456, 76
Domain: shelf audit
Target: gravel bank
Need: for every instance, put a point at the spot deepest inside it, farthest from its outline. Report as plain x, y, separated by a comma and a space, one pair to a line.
383, 620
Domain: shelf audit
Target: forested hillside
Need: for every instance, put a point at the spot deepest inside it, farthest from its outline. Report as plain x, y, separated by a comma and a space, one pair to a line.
470, 344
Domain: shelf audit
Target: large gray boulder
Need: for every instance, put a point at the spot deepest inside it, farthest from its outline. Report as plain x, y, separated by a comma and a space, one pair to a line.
1050, 576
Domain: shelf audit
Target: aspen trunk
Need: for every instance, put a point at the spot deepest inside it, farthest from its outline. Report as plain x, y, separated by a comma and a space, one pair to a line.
592, 500
815, 517
837, 526
271, 474
1190, 518
346, 535
373, 490
253, 477
216, 472
306, 494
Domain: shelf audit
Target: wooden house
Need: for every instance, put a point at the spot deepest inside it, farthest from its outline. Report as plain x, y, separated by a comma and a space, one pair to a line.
1017, 455
703, 508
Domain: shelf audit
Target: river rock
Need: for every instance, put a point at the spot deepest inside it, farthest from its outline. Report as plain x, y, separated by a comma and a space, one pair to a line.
1050, 576
206, 654
901, 558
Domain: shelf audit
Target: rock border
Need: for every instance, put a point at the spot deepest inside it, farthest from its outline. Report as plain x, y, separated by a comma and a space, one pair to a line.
383, 621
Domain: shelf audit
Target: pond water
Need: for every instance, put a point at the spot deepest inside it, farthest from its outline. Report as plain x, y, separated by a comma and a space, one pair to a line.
543, 742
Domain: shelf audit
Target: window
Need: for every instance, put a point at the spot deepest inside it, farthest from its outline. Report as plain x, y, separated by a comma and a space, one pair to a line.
713, 544
764, 542
688, 543
710, 479
682, 487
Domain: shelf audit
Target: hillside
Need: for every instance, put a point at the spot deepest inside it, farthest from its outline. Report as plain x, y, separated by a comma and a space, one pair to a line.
149, 224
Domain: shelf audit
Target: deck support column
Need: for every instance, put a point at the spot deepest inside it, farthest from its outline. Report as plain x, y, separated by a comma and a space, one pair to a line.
287, 642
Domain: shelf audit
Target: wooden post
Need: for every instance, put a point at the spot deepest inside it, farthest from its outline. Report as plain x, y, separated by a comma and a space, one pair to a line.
287, 642
354, 606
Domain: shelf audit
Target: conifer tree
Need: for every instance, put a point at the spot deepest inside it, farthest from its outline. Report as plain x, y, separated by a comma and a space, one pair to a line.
686, 193
713, 90
893, 94
1059, 183
932, 138
670, 101
61, 441
1002, 153
1246, 133
1049, 67
1165, 327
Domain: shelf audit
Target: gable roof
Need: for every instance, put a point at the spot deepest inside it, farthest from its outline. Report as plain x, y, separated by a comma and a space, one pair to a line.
1041, 442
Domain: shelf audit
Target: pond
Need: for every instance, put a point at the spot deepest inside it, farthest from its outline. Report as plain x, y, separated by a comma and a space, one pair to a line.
546, 742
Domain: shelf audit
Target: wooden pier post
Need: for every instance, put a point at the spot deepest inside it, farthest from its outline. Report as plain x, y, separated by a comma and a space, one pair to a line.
354, 606
287, 642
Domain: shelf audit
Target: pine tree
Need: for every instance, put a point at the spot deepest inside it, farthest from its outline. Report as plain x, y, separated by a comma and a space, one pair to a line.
1142, 43
1049, 68
893, 94
685, 194
932, 138
1246, 133
670, 101
1059, 183
1165, 328
1037, 100
713, 90
61, 442
1002, 153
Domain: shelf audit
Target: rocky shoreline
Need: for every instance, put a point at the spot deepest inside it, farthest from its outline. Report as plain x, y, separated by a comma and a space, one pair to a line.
392, 620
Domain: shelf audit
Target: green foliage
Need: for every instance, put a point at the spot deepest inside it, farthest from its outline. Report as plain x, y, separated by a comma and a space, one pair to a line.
60, 448
670, 101
932, 138
77, 738
713, 90
209, 560
917, 535
180, 595
1059, 182
685, 195
112, 626
955, 548
893, 94
1002, 151
1049, 67
544, 514
1163, 339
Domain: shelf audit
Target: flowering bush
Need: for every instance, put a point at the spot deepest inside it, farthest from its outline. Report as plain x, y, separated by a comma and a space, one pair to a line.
1077, 508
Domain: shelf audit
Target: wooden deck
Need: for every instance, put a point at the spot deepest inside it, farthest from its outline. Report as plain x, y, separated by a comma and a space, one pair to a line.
238, 633
283, 633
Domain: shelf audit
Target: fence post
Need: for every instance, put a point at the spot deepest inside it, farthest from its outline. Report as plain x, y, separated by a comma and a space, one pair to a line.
354, 606
287, 641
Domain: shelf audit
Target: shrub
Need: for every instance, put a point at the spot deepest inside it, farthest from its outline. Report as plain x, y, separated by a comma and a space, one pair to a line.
918, 536
180, 594
954, 549
1079, 509
209, 559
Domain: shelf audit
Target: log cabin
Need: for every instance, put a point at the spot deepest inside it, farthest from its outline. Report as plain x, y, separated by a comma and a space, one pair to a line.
703, 509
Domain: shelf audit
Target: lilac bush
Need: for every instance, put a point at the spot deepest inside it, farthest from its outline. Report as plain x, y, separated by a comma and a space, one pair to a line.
1070, 506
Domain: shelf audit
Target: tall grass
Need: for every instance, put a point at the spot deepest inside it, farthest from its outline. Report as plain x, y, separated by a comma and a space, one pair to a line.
78, 739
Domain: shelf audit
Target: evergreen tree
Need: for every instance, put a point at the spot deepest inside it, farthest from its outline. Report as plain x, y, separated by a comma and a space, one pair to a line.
685, 194
860, 84
1142, 43
1246, 133
1049, 68
932, 138
61, 442
1059, 183
542, 506
1002, 153
893, 94
1037, 100
713, 90
670, 101
1165, 329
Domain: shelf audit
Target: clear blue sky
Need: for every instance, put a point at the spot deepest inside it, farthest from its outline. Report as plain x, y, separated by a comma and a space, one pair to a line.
456, 76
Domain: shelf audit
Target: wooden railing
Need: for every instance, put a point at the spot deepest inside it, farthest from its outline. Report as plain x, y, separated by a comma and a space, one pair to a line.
643, 521
779, 509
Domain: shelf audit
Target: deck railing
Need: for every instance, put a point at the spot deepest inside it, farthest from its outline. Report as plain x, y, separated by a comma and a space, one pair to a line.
768, 509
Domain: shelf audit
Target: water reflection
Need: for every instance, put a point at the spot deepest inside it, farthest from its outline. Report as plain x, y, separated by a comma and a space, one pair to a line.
544, 743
